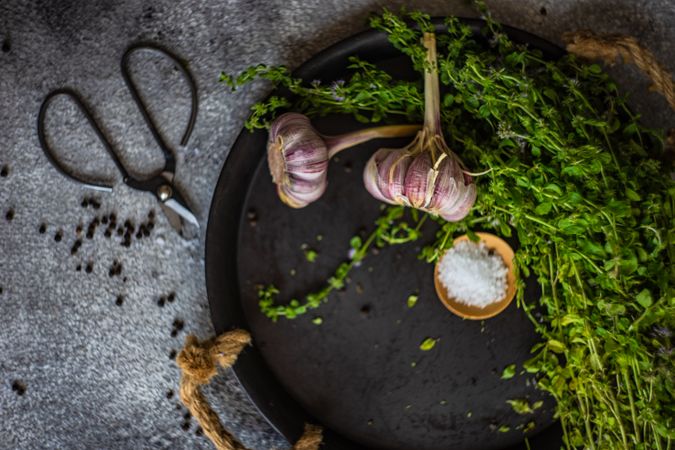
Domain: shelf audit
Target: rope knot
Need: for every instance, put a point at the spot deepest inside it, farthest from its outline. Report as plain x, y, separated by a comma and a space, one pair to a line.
196, 360
200, 360
199, 363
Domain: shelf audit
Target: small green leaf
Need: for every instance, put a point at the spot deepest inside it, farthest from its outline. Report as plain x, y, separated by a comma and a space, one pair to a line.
520, 406
412, 300
543, 208
553, 188
569, 319
555, 346
632, 195
504, 429
317, 321
595, 68
310, 255
573, 171
355, 242
615, 309
428, 344
509, 372
644, 298
631, 128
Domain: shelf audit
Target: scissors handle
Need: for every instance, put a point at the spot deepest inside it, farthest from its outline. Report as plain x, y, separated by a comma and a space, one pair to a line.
51, 156
170, 162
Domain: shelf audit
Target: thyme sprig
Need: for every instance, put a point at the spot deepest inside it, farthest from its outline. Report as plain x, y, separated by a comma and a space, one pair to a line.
391, 228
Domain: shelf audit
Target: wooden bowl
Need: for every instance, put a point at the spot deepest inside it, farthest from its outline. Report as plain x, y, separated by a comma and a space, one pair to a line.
499, 246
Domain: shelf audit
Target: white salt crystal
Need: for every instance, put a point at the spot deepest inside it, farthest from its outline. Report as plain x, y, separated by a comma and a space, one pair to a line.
471, 275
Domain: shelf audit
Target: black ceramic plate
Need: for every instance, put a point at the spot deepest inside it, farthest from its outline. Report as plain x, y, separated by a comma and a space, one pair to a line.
360, 374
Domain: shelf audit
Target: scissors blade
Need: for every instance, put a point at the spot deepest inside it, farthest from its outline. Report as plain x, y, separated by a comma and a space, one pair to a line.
182, 211
173, 218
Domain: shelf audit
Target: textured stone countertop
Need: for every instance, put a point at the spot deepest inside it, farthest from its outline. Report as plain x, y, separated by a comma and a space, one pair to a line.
86, 358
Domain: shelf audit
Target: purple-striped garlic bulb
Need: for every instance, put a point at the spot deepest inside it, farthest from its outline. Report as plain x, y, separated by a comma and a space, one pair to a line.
425, 174
298, 155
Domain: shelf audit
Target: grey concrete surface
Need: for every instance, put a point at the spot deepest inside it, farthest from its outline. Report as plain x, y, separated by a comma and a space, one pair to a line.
96, 374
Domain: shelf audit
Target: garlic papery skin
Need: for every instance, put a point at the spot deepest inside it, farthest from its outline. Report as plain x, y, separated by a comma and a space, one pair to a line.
425, 174
298, 155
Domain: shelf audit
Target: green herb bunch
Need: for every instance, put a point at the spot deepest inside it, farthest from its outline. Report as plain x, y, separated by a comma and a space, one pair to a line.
576, 177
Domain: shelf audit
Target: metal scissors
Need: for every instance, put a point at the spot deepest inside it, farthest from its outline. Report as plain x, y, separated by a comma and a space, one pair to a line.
161, 185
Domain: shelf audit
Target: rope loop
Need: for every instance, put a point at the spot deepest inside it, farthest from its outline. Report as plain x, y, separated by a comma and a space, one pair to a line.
199, 362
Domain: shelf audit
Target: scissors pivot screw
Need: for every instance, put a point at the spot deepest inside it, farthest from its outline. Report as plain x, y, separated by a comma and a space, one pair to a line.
164, 192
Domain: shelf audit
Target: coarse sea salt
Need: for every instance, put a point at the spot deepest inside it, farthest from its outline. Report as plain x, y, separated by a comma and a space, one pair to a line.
472, 275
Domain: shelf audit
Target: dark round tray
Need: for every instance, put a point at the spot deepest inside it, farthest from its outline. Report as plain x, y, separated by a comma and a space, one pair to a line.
354, 373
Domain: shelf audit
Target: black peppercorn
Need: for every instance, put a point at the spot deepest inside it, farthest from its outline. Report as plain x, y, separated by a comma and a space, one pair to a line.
151, 214
172, 354
104, 220
78, 229
4, 171
18, 387
169, 394
75, 247
90, 267
78, 267
171, 297
42, 229
139, 235
85, 202
107, 233
9, 215
119, 300
58, 236
161, 302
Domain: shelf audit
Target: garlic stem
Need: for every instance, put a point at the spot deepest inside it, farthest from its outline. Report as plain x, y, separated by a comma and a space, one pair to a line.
425, 174
432, 105
336, 144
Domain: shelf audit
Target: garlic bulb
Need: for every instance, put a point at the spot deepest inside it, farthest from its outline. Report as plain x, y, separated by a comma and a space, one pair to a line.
298, 155
425, 174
